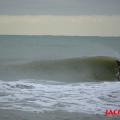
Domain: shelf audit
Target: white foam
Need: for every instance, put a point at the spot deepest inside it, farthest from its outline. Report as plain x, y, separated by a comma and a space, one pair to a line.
43, 96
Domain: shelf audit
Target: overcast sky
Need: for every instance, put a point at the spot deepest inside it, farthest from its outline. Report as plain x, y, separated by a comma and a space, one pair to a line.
60, 7
60, 17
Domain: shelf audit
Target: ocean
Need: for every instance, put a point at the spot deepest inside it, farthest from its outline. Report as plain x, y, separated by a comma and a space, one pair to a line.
64, 74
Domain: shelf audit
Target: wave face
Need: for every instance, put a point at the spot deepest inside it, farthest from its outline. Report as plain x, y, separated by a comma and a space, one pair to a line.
99, 68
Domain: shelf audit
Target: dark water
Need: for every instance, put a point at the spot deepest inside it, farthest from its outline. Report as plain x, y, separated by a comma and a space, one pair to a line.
52, 73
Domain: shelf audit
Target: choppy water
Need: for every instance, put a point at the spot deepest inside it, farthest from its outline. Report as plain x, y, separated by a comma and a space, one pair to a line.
28, 82
92, 98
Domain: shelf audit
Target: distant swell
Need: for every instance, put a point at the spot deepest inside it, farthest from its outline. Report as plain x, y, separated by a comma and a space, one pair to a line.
100, 68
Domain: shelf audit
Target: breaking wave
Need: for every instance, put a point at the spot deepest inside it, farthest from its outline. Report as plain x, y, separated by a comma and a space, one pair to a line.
96, 68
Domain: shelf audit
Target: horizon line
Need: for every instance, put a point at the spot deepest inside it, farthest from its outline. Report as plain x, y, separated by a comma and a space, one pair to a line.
58, 35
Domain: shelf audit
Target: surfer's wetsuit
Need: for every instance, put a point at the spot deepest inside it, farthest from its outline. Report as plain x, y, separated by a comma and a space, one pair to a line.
118, 69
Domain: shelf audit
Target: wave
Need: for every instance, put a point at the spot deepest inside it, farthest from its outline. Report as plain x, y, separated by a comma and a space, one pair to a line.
97, 68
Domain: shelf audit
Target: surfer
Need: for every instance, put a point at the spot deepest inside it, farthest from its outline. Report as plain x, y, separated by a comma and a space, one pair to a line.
118, 69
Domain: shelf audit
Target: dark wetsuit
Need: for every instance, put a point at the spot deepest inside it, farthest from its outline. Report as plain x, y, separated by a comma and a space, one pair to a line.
118, 70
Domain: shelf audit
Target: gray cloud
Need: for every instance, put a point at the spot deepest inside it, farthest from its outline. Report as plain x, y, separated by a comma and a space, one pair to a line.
59, 7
